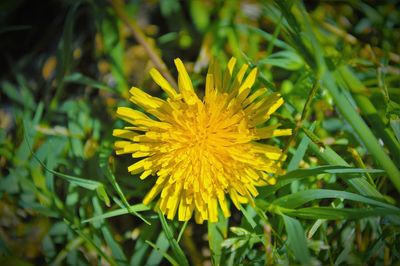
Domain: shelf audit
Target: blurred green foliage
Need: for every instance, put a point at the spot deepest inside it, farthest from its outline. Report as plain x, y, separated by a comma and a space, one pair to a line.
67, 65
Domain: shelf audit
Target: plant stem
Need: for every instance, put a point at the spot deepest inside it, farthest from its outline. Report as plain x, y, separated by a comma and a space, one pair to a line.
118, 6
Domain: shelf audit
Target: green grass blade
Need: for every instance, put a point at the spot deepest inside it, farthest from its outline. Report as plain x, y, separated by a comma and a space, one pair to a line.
176, 249
116, 249
369, 111
338, 214
248, 217
267, 36
136, 208
165, 254
217, 233
72, 245
358, 183
79, 78
299, 198
105, 152
297, 241
89, 240
304, 173
299, 153
362, 130
156, 256
85, 183
141, 251
182, 231
64, 53
395, 124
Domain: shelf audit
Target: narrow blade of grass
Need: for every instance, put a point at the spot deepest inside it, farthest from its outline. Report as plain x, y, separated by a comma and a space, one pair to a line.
165, 254
217, 232
338, 214
136, 208
116, 249
297, 241
105, 152
299, 198
89, 240
363, 131
304, 173
79, 78
360, 184
176, 249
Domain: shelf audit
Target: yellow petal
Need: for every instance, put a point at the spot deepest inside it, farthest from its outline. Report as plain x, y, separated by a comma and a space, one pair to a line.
144, 100
254, 96
139, 166
275, 106
271, 152
123, 133
249, 82
163, 83
130, 115
213, 210
271, 131
155, 190
228, 74
238, 79
185, 84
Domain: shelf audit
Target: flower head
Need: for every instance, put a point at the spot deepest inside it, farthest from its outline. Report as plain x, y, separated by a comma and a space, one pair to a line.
202, 150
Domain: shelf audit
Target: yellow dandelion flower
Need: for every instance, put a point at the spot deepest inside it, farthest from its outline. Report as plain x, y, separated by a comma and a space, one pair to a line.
201, 150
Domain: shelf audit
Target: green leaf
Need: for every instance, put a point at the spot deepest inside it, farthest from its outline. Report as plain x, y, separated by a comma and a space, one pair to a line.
79, 78
297, 241
85, 183
300, 151
176, 249
136, 208
169, 7
81, 182
267, 36
362, 130
299, 198
358, 183
105, 152
304, 173
200, 14
284, 59
338, 214
15, 96
165, 254
248, 216
156, 256
395, 124
90, 241
101, 192
217, 232
116, 249
113, 48
140, 253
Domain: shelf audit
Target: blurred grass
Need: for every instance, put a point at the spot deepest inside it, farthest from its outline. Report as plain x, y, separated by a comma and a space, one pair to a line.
66, 200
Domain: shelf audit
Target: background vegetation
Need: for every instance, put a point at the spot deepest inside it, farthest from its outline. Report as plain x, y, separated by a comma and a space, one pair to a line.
66, 66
